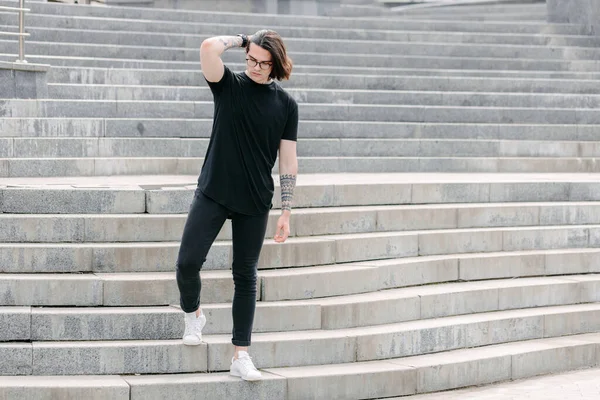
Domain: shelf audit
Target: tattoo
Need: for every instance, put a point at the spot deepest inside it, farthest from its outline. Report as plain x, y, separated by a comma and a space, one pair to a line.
230, 41
288, 184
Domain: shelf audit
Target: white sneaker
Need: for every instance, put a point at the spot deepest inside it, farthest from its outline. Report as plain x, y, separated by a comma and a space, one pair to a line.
193, 329
244, 368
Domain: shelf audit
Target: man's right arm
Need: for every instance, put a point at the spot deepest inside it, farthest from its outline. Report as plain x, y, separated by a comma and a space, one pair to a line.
210, 55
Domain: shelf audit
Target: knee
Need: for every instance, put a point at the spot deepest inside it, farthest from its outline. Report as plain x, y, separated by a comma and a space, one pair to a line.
189, 266
245, 277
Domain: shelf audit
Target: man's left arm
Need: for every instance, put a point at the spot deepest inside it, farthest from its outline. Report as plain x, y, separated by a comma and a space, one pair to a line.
288, 171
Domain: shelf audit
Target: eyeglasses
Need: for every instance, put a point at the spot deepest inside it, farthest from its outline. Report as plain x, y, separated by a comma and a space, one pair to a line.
264, 65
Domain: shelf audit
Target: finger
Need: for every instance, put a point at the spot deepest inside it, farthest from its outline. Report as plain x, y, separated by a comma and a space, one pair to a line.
278, 234
286, 234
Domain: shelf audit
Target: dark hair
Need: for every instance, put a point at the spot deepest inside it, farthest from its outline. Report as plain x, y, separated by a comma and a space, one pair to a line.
273, 43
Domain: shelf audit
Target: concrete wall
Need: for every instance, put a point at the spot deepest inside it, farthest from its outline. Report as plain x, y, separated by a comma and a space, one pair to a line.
23, 81
584, 12
297, 7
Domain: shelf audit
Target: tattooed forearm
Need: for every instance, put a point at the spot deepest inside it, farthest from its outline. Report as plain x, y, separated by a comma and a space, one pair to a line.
288, 184
229, 41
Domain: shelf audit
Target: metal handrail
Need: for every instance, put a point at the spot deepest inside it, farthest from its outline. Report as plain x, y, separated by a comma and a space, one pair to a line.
14, 34
4, 8
22, 10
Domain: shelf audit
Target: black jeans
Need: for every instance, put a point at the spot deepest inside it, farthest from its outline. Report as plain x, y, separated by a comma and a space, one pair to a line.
204, 221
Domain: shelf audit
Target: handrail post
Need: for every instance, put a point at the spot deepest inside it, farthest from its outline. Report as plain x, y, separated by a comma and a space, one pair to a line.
21, 32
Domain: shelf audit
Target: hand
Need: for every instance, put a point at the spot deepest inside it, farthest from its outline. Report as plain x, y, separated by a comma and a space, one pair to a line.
283, 228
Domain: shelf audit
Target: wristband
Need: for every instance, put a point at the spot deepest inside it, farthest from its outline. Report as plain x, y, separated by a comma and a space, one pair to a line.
244, 39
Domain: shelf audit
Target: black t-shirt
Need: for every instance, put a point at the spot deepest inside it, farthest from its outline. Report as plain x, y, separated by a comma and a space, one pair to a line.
250, 120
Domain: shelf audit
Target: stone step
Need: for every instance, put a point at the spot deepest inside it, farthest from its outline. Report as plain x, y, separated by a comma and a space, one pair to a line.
354, 11
511, 59
159, 288
9, 51
430, 302
335, 96
296, 40
346, 310
296, 252
419, 67
145, 323
103, 76
95, 64
67, 387
56, 167
370, 276
491, 7
305, 348
505, 10
403, 339
360, 11
497, 8
71, 147
445, 165
418, 374
67, 167
330, 313
56, 26
476, 17
59, 228
111, 290
124, 44
478, 10
308, 111
294, 20
106, 357
525, 17
62, 128
173, 194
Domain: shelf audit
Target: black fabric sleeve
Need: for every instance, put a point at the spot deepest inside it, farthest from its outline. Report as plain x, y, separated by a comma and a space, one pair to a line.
217, 87
291, 127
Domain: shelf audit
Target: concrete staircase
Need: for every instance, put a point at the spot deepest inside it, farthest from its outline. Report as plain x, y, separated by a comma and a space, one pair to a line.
123, 77
392, 284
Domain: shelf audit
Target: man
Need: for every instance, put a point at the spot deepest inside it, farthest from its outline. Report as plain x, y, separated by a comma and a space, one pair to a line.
254, 119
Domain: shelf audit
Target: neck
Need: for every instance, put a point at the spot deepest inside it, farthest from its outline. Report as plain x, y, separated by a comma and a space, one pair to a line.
262, 82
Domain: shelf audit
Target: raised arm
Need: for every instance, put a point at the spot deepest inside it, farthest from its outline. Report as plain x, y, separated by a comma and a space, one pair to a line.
210, 55
288, 170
